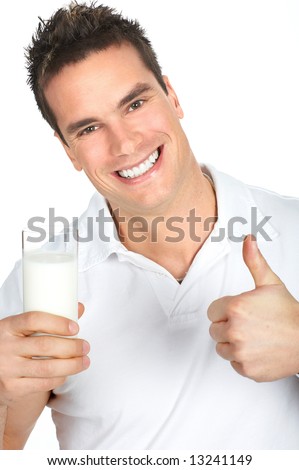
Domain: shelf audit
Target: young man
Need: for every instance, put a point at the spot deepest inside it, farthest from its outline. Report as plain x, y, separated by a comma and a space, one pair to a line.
167, 270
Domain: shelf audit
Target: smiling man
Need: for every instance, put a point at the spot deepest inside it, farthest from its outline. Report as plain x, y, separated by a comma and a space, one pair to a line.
154, 303
123, 129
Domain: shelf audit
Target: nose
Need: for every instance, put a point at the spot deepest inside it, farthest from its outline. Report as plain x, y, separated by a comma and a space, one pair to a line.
124, 139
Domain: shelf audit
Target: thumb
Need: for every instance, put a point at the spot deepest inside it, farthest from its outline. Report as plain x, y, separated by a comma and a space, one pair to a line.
260, 270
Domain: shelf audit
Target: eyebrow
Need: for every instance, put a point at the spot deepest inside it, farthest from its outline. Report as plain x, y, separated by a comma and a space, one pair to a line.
75, 126
137, 90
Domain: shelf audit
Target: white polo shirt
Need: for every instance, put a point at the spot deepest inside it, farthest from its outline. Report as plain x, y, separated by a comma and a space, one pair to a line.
155, 380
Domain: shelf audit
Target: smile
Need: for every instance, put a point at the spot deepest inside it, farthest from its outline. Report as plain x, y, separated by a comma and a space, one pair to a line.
142, 168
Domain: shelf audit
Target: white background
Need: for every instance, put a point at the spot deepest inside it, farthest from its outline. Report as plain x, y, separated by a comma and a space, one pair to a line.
235, 67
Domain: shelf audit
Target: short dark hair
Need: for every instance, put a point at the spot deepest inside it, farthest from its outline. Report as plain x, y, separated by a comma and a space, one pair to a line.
70, 35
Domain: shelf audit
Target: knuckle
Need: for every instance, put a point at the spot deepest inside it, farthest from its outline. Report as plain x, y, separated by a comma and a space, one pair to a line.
239, 354
45, 385
31, 320
220, 349
210, 310
236, 307
8, 386
42, 367
48, 384
215, 334
240, 357
42, 343
235, 335
4, 334
7, 365
2, 327
223, 350
3, 370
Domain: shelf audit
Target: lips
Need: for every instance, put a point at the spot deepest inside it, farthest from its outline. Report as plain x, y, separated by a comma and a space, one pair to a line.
140, 169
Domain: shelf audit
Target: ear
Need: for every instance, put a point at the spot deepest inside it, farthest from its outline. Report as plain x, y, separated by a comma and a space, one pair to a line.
69, 153
173, 97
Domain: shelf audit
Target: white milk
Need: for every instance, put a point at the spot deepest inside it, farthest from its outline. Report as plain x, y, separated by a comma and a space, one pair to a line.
50, 283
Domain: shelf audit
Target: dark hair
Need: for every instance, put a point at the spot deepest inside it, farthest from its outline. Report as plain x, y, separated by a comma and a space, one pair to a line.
70, 35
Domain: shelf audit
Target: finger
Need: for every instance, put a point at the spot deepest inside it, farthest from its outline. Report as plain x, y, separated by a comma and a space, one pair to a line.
52, 346
238, 368
218, 332
225, 350
260, 270
217, 310
42, 322
49, 368
20, 387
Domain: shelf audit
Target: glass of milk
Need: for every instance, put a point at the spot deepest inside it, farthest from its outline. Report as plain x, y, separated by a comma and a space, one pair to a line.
50, 271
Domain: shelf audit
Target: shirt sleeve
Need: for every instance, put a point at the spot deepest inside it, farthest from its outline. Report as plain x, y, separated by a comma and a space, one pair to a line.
11, 293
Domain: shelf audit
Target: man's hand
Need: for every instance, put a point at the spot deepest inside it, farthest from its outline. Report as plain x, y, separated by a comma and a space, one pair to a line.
258, 331
21, 374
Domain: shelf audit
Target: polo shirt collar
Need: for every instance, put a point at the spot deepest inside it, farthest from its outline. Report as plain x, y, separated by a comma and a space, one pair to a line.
98, 238
238, 215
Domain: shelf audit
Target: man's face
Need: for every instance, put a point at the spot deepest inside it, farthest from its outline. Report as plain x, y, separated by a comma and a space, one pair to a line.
122, 129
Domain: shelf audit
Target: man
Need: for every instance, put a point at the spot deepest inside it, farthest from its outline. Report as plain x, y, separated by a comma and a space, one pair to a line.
166, 269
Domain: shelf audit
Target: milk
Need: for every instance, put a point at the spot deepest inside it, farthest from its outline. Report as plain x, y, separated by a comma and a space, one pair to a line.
50, 283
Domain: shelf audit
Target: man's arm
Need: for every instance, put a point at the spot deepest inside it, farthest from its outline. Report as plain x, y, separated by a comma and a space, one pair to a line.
3, 414
18, 420
26, 381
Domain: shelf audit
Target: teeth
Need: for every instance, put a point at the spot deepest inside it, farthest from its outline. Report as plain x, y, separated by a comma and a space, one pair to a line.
142, 168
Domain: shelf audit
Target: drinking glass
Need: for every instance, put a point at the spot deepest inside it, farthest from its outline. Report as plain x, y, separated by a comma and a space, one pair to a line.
49, 261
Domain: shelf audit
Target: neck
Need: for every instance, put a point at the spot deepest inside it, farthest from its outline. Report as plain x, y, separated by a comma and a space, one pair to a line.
174, 235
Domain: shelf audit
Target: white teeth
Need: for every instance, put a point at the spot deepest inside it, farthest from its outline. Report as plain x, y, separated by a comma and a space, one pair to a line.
140, 169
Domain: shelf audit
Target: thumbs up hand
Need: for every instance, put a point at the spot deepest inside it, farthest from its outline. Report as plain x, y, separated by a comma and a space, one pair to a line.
258, 331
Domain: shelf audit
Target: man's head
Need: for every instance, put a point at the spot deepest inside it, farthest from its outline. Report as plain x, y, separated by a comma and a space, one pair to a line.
97, 82
72, 34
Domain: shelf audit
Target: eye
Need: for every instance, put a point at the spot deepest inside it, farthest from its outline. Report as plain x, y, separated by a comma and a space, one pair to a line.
137, 104
89, 130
